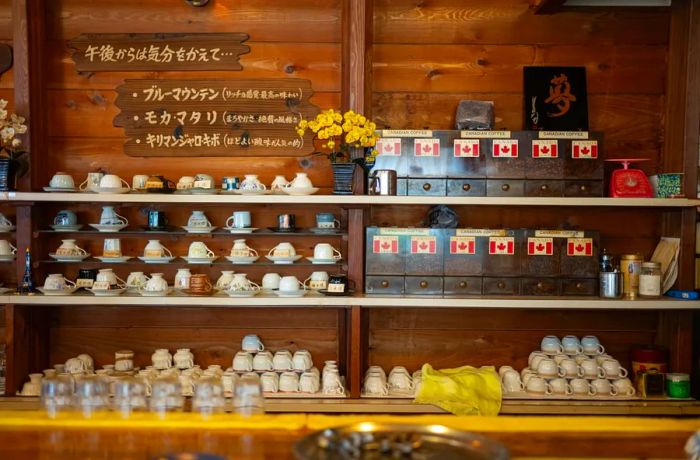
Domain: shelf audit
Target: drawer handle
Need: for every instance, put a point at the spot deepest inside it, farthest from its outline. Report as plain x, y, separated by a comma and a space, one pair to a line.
423, 284
505, 187
427, 186
466, 187
501, 285
579, 286
463, 284
583, 188
540, 285
544, 187
384, 283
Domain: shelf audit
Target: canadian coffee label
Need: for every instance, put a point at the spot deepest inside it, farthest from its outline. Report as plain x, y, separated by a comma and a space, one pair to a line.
404, 231
407, 133
426, 147
505, 148
502, 245
579, 247
462, 245
338, 287
544, 149
423, 245
585, 150
540, 246
558, 234
562, 134
389, 147
385, 244
466, 148
480, 232
485, 134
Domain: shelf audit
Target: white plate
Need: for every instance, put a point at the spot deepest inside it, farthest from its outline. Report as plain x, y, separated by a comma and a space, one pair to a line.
7, 228
60, 189
189, 229
66, 291
242, 293
107, 292
156, 293
203, 191
113, 260
300, 191
67, 228
254, 192
157, 260
323, 261
108, 227
75, 258
283, 260
299, 293
242, 260
119, 190
199, 260
7, 257
240, 230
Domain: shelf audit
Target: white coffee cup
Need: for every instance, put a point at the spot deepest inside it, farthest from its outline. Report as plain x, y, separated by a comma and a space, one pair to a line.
571, 345
262, 362
239, 219
300, 181
242, 362
400, 382
551, 344
138, 181
302, 361
325, 251
251, 183
289, 382
57, 281
538, 385
560, 357
199, 249
603, 387
331, 382
317, 280
155, 249
309, 382
284, 249
110, 217
271, 281
112, 247
251, 343
67, 248
62, 180
282, 361
503, 369
107, 275
92, 182
591, 369
241, 249
136, 280
113, 181
182, 278
199, 220
581, 387
591, 345
569, 368
279, 183
613, 369
374, 385
624, 387
547, 368
242, 283
532, 356
290, 284
536, 361
270, 382
225, 279
7, 249
157, 283
561, 387
511, 382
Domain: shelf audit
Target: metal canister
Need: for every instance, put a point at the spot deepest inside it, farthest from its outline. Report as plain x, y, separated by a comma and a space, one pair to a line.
611, 284
630, 266
382, 182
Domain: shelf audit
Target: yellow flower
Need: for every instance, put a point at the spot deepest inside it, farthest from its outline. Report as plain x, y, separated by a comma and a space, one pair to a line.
331, 144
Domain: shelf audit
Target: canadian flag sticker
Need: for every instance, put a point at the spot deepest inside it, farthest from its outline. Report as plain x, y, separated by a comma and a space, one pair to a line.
423, 245
546, 148
505, 148
540, 246
584, 149
385, 244
502, 245
390, 147
462, 245
579, 247
468, 148
427, 147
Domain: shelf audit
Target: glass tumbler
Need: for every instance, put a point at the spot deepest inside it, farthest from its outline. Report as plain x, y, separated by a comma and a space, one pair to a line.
129, 396
247, 396
208, 396
91, 395
57, 393
166, 395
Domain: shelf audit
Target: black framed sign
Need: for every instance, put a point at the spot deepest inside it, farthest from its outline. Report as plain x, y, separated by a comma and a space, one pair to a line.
555, 98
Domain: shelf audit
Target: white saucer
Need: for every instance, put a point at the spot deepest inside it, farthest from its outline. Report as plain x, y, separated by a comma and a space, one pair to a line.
324, 231
300, 190
119, 190
66, 291
67, 228
108, 227
7, 228
298, 293
189, 229
60, 189
113, 260
203, 191
157, 260
323, 261
250, 293
242, 260
240, 230
253, 192
107, 292
284, 260
74, 258
155, 293
7, 257
199, 260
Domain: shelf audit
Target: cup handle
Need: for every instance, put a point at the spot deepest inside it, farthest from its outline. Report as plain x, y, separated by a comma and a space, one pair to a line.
580, 372
562, 372
306, 282
128, 186
83, 186
623, 372
254, 286
69, 282
253, 251
569, 390
613, 391
167, 251
601, 373
601, 349
124, 219
209, 286
547, 389
122, 283
229, 223
263, 186
337, 254
592, 390
303, 286
81, 251
336, 223
14, 251
269, 253
210, 253
521, 385
579, 349
631, 392
261, 347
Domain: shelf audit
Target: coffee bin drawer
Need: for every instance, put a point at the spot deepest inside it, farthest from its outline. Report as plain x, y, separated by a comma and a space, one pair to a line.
541, 254
539, 286
466, 187
544, 159
401, 187
580, 286
384, 285
583, 188
505, 187
502, 253
385, 254
428, 187
464, 253
505, 157
423, 285
544, 188
466, 285
425, 252
501, 286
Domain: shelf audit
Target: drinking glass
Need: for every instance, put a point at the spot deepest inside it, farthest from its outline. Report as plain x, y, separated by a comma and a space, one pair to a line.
208, 396
166, 395
57, 393
248, 397
91, 395
129, 396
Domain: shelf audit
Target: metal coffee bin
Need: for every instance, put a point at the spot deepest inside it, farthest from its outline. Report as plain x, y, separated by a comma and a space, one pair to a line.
386, 250
425, 255
465, 251
542, 253
579, 254
503, 252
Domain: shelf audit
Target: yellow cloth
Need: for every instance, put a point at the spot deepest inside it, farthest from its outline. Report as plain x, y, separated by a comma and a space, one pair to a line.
464, 390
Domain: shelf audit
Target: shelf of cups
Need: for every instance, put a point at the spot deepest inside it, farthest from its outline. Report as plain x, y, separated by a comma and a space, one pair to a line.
178, 232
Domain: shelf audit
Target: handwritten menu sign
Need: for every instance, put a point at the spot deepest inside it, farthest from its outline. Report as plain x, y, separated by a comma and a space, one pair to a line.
230, 117
158, 52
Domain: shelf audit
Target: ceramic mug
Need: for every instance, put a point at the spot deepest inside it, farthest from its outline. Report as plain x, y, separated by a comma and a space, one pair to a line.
136, 280
326, 220
65, 217
200, 283
138, 181
591, 369
111, 247
239, 219
251, 343
56, 281
533, 355
317, 280
251, 183
284, 249
571, 345
4, 221
199, 220
309, 382
400, 382
302, 361
243, 362
262, 362
62, 180
374, 385
569, 368
224, 280
290, 284
271, 281
107, 275
182, 278
551, 344
613, 369
185, 183
156, 284
279, 183
6, 248
203, 181
324, 251
561, 387
184, 359
113, 181
591, 345
93, 181
110, 217
300, 181
155, 249
503, 369
511, 382
199, 249
241, 249
242, 283
282, 361
331, 383
603, 387
270, 382
548, 368
67, 248
289, 382
539, 386
624, 387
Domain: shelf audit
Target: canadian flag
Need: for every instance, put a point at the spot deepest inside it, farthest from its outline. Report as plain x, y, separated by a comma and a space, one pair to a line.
540, 246
462, 245
423, 245
427, 147
504, 245
579, 247
466, 148
584, 149
544, 149
505, 148
385, 245
391, 147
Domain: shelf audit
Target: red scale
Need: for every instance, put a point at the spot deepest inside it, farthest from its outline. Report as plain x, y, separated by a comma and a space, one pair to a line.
628, 182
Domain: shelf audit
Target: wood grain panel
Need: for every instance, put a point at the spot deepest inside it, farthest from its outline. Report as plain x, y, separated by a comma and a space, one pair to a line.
263, 20
8, 95
7, 80
499, 69
76, 113
318, 62
511, 22
5, 20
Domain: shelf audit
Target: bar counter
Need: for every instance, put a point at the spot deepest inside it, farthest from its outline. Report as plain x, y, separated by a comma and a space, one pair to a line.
25, 434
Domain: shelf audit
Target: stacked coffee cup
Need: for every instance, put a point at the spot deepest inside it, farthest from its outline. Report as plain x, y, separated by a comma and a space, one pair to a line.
399, 383
569, 368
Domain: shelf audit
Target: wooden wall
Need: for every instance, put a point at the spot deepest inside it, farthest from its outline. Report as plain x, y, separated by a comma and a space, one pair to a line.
6, 79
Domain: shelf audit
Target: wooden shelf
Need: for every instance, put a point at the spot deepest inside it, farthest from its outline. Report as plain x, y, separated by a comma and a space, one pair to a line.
263, 300
345, 200
176, 231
